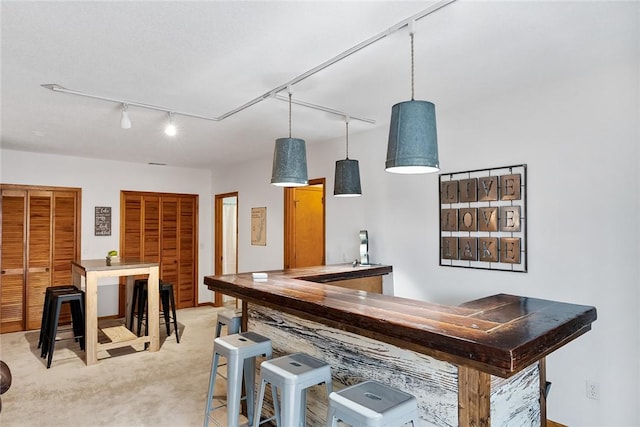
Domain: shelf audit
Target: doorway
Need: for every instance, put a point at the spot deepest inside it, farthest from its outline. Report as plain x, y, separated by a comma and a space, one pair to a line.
226, 238
304, 225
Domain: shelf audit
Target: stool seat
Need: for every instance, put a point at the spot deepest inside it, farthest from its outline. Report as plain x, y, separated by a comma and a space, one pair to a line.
293, 374
241, 351
372, 404
231, 319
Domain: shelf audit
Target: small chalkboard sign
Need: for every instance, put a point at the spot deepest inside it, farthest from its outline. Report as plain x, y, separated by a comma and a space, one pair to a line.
103, 221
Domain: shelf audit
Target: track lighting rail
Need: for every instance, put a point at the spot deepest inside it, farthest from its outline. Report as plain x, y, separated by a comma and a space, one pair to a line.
274, 93
57, 88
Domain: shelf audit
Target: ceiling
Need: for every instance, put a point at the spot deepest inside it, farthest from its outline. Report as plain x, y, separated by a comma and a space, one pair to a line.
210, 57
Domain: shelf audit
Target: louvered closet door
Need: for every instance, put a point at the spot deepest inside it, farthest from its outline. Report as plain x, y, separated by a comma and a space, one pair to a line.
141, 224
162, 227
65, 236
187, 258
39, 262
151, 234
13, 261
131, 227
169, 240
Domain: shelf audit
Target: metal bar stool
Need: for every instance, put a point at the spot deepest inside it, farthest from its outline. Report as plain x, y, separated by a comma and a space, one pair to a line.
293, 375
167, 299
231, 319
372, 404
241, 351
46, 308
76, 299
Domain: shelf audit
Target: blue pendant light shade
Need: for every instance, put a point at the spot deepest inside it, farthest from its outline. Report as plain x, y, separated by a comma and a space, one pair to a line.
413, 142
289, 163
347, 180
289, 160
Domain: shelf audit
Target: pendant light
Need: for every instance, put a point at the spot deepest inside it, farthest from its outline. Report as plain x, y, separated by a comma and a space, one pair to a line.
289, 160
413, 143
125, 121
347, 179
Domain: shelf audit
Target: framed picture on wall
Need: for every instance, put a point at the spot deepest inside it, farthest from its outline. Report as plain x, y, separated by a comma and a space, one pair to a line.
259, 226
102, 221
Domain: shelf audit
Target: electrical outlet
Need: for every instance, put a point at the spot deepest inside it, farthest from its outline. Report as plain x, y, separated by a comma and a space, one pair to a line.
593, 390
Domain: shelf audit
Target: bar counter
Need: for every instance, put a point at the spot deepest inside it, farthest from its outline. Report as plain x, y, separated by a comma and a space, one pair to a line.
500, 335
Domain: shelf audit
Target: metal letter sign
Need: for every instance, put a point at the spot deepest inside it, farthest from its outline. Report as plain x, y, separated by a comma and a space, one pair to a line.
483, 220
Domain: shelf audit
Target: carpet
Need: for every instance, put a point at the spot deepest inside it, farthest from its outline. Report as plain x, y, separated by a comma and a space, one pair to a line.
127, 387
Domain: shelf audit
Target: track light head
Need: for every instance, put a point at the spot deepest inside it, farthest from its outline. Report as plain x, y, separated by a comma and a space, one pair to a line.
171, 128
125, 121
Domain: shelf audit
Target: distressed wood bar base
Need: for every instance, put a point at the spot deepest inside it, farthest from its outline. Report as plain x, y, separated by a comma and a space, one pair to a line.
448, 395
477, 364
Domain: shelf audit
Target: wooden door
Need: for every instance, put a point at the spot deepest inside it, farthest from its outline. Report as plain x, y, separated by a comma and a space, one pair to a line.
150, 250
304, 225
39, 259
40, 238
163, 228
169, 241
65, 235
14, 236
187, 231
130, 228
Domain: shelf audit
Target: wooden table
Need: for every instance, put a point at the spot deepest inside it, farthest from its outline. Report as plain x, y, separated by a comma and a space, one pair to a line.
94, 269
480, 351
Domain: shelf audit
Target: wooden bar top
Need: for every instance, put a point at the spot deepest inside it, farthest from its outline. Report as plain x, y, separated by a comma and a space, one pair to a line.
500, 334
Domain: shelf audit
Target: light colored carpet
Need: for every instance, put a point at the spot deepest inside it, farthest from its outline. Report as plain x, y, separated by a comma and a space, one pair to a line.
126, 388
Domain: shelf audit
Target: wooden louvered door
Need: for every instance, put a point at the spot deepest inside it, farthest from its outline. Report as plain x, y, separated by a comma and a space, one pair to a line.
14, 236
186, 290
151, 231
40, 238
162, 227
65, 235
130, 228
169, 242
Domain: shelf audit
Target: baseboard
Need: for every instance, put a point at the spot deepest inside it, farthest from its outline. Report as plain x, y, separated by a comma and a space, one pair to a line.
554, 424
204, 304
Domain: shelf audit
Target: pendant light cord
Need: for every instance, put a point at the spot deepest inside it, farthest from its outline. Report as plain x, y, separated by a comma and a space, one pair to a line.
412, 90
289, 114
346, 122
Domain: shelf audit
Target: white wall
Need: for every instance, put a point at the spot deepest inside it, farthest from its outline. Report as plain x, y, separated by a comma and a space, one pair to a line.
101, 182
579, 138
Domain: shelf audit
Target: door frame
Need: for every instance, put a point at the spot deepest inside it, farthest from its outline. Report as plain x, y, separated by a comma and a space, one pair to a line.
289, 221
217, 257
